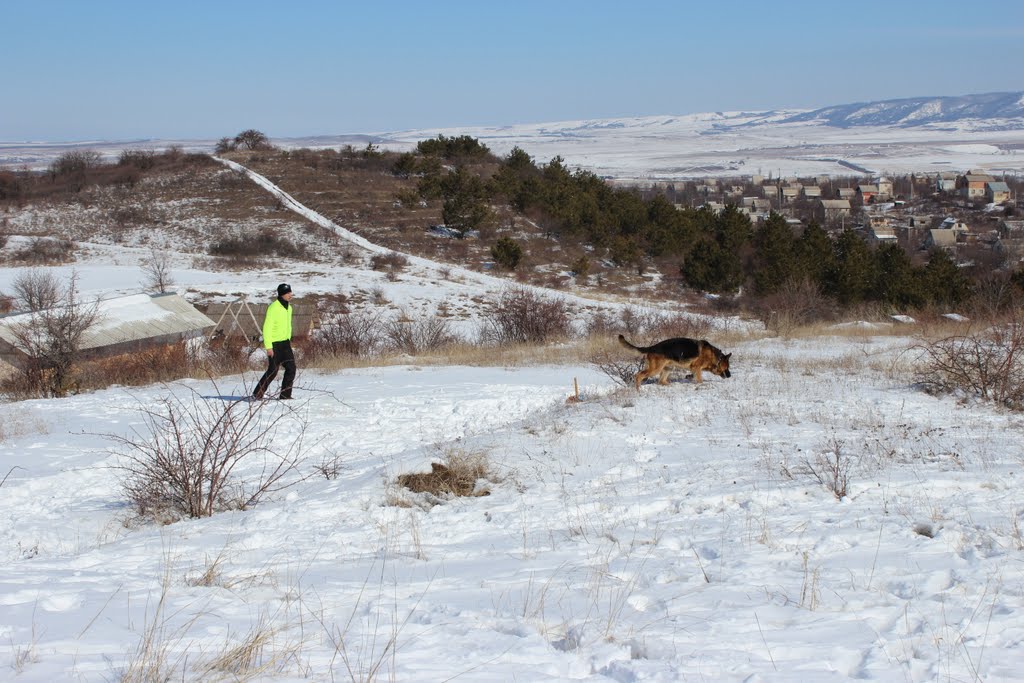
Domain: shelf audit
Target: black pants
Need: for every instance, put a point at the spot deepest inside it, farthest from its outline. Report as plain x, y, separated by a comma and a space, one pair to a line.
282, 356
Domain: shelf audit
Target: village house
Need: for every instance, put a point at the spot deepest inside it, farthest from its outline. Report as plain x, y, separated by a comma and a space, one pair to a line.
867, 192
953, 224
997, 192
812, 192
756, 203
972, 185
846, 193
882, 233
832, 209
946, 181
942, 239
790, 193
884, 186
918, 221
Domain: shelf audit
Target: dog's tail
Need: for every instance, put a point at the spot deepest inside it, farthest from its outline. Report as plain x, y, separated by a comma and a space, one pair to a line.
622, 340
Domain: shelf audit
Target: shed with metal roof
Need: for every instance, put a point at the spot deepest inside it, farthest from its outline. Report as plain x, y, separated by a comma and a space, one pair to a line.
123, 325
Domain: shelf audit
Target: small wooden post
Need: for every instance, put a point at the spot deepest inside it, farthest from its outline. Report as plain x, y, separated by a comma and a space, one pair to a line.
576, 385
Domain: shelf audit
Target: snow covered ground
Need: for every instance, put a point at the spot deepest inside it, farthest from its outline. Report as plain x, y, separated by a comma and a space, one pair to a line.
676, 534
683, 533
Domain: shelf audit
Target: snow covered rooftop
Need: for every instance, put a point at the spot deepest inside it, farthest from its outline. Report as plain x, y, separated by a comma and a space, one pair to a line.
127, 319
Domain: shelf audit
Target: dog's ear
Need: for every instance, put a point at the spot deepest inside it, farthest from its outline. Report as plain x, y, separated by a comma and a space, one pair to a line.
728, 356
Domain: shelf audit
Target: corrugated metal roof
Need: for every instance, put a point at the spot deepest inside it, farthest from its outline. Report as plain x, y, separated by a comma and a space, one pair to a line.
999, 186
127, 319
835, 203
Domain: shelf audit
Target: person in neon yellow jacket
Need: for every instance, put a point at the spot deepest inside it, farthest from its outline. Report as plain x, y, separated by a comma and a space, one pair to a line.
277, 340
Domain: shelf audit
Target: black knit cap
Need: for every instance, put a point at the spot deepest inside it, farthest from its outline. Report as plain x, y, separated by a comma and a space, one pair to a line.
283, 289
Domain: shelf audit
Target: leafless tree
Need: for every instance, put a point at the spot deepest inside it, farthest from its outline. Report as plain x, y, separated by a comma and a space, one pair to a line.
37, 289
252, 139
52, 340
225, 145
157, 269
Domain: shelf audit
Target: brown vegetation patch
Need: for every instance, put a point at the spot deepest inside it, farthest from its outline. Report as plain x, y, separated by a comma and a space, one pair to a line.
463, 475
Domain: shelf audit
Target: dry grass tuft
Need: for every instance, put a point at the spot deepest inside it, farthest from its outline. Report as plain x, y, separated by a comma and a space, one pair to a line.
463, 475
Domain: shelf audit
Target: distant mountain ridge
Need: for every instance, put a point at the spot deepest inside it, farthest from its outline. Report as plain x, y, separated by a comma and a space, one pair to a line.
995, 111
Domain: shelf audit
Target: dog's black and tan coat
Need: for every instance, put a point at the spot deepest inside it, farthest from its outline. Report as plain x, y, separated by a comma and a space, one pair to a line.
695, 355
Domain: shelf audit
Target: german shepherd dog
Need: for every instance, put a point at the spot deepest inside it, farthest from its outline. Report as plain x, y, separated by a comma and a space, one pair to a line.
694, 355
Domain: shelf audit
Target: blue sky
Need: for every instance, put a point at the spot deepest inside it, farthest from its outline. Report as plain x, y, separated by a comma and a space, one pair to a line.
111, 69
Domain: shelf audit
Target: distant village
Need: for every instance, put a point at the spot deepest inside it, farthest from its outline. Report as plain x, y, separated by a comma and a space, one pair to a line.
972, 215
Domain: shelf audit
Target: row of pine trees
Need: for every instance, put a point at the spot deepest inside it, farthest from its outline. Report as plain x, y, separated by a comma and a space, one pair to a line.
719, 253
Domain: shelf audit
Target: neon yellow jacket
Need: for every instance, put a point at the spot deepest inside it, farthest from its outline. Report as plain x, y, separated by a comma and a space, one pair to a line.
277, 326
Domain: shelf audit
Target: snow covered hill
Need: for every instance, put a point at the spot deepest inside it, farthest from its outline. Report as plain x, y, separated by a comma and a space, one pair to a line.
926, 134
989, 111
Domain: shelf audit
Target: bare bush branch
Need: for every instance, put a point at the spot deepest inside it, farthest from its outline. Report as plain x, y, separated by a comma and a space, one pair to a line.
355, 334
830, 468
987, 364
417, 336
523, 316
195, 457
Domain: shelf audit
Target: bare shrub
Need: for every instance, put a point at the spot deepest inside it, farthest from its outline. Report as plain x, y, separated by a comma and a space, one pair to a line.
139, 368
637, 321
142, 159
392, 262
620, 369
830, 467
417, 336
797, 303
46, 250
523, 316
36, 289
987, 364
678, 325
194, 457
330, 466
354, 334
75, 161
224, 355
266, 243
52, 340
129, 215
157, 271
602, 325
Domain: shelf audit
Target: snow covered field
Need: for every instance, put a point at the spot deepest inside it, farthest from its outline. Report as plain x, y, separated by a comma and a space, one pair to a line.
678, 534
673, 147
682, 533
